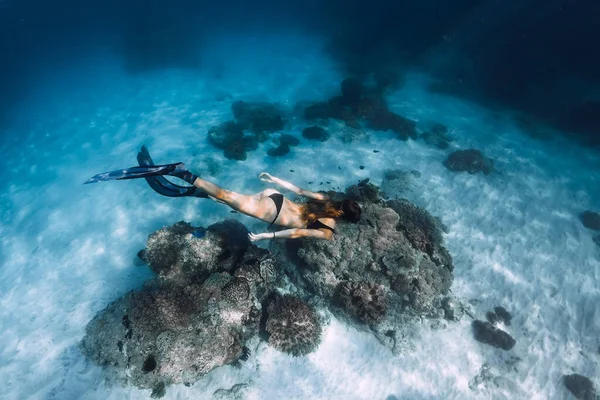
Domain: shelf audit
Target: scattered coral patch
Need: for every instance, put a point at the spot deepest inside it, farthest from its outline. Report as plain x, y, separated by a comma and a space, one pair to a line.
486, 333
229, 137
358, 102
259, 118
253, 124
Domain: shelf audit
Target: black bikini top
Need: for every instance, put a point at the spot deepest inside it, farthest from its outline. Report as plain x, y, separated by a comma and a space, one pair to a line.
319, 225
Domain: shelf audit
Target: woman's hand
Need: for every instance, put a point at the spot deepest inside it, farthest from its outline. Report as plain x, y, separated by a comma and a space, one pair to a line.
255, 237
265, 177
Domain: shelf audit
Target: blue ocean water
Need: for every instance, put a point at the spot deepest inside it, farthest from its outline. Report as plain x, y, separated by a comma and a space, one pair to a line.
84, 86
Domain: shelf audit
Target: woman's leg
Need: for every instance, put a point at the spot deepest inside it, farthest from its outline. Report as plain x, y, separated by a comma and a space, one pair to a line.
249, 205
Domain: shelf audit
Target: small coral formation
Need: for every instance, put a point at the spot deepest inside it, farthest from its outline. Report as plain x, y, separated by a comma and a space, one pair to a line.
229, 137
292, 325
357, 102
437, 136
471, 161
590, 219
503, 315
385, 120
485, 332
363, 300
581, 387
492, 317
286, 142
260, 119
315, 133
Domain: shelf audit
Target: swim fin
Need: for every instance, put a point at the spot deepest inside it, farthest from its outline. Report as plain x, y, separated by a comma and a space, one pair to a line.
137, 172
163, 186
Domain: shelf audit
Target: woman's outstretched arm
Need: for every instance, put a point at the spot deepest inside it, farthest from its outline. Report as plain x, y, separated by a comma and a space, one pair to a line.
291, 187
294, 233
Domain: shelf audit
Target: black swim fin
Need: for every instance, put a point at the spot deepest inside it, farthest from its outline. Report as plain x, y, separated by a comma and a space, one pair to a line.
137, 172
163, 186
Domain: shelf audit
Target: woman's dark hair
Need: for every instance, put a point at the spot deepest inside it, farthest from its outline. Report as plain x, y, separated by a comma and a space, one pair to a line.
351, 211
348, 210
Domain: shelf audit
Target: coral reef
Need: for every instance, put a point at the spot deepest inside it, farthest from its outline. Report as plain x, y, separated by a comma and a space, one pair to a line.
292, 325
174, 334
214, 291
376, 250
471, 161
358, 102
363, 300
194, 316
